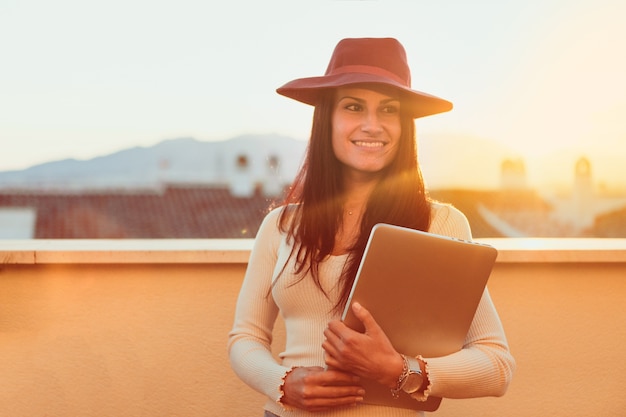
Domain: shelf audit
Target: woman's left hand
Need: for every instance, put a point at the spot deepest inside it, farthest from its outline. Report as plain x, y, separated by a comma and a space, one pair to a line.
369, 354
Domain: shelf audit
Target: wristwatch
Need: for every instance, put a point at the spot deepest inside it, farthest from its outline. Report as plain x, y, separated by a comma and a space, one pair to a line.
414, 378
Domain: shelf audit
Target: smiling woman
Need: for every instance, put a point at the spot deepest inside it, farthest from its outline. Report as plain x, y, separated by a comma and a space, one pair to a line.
360, 169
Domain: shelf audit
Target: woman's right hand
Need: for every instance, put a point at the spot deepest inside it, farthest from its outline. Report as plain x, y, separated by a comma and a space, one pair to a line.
316, 389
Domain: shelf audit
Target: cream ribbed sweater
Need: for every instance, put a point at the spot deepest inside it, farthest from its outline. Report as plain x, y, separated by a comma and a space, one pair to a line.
482, 368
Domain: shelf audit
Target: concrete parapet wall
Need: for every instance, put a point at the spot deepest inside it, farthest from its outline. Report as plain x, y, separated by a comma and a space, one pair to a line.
112, 333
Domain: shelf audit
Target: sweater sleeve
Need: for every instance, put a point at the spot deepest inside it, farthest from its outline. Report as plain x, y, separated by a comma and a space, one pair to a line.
249, 343
484, 367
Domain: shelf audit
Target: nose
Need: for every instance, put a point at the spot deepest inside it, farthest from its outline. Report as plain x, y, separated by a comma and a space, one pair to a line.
371, 123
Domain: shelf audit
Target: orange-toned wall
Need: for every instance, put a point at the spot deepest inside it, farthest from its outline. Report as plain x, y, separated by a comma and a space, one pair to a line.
147, 339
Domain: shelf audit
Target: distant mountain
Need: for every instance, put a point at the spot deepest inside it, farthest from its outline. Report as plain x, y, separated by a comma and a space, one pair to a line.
447, 161
177, 160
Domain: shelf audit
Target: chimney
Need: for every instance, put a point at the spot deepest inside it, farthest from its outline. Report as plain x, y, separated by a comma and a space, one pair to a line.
272, 186
241, 183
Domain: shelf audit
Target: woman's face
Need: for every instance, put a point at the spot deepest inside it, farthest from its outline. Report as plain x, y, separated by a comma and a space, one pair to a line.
365, 129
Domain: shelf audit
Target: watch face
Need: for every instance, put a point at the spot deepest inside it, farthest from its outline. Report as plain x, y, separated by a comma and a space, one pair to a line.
413, 382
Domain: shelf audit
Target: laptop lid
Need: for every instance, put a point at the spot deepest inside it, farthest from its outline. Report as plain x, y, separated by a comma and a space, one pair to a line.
423, 290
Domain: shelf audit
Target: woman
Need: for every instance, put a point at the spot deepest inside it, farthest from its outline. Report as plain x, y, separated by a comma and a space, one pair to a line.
360, 169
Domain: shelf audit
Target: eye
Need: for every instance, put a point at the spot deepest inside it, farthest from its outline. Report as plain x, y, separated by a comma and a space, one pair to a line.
390, 108
353, 107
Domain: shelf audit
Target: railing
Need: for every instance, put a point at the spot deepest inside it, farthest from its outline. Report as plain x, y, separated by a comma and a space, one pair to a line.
138, 328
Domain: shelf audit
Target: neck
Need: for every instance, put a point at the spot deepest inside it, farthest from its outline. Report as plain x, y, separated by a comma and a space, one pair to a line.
358, 190
356, 194
356, 197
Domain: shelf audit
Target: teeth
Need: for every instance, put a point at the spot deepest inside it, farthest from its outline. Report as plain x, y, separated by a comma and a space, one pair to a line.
370, 144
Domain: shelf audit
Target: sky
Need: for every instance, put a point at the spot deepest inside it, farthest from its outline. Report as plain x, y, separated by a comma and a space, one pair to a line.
81, 78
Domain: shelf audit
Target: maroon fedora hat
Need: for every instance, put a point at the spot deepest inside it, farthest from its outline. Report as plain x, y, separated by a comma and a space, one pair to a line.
367, 60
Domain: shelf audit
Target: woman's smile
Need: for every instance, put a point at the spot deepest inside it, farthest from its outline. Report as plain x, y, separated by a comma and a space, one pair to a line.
369, 144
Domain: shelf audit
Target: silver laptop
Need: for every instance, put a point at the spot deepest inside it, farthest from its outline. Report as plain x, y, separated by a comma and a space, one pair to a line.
423, 290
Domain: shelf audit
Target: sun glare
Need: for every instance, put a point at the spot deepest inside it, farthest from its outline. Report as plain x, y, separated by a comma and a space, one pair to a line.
572, 95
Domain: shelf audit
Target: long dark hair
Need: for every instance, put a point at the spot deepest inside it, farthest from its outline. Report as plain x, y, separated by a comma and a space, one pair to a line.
316, 199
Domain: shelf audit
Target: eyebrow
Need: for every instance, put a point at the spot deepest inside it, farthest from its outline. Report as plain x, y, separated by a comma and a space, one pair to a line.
360, 100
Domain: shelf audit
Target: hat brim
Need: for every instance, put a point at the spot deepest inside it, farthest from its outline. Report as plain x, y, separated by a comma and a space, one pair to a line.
308, 90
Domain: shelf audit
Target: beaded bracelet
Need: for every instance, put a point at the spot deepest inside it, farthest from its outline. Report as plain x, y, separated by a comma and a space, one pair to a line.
395, 393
